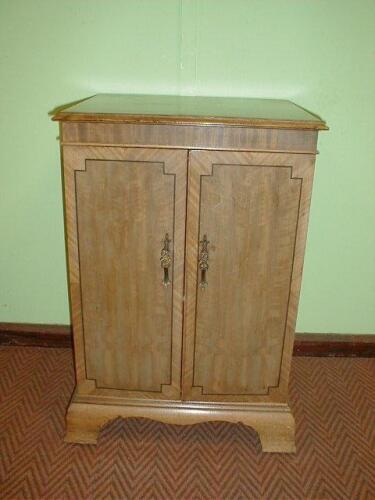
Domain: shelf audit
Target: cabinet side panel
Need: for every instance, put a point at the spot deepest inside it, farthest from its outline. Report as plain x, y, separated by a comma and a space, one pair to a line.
71, 163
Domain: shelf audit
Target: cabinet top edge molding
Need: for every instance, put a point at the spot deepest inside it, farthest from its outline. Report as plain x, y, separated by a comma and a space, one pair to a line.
191, 110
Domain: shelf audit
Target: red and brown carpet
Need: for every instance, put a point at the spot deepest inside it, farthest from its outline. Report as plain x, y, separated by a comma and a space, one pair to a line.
334, 405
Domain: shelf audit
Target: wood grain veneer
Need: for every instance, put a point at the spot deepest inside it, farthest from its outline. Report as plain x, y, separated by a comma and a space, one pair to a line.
117, 318
189, 137
241, 179
256, 222
125, 298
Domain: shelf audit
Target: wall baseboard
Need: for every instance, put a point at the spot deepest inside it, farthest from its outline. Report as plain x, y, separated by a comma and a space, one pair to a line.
306, 344
36, 335
334, 345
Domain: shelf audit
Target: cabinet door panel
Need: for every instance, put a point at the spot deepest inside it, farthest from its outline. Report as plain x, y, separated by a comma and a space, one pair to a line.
239, 327
126, 202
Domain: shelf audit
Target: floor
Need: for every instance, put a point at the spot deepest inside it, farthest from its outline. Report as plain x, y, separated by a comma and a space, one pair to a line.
333, 400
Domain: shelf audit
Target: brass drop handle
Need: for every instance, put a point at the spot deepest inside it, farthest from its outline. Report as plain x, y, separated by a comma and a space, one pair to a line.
166, 260
203, 261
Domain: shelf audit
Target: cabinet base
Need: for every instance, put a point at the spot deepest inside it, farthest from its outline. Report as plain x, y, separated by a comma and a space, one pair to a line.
273, 423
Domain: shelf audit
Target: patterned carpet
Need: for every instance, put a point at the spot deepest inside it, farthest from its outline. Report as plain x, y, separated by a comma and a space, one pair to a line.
333, 401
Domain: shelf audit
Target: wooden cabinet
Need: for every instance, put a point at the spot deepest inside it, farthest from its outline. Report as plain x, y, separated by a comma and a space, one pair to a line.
185, 230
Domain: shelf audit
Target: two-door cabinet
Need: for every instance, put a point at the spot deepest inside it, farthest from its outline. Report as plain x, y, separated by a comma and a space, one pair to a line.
186, 222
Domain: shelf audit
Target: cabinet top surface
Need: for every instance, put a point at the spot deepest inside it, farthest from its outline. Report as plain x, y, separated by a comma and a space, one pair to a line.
191, 110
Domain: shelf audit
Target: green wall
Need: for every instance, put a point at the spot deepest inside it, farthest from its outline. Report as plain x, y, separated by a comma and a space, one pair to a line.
317, 53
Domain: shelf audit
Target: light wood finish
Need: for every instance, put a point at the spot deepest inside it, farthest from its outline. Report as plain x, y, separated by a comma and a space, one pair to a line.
239, 330
274, 425
192, 110
189, 137
120, 204
182, 354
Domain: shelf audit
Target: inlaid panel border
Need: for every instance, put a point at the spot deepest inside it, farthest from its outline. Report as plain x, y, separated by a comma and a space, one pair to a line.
76, 172
214, 165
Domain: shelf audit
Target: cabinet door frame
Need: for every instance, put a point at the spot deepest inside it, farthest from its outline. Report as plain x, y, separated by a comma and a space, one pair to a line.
201, 164
174, 163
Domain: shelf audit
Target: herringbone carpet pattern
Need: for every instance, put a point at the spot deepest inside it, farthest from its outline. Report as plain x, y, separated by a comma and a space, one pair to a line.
333, 402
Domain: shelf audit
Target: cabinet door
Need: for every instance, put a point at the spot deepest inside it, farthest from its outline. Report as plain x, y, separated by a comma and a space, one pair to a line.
246, 230
125, 212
